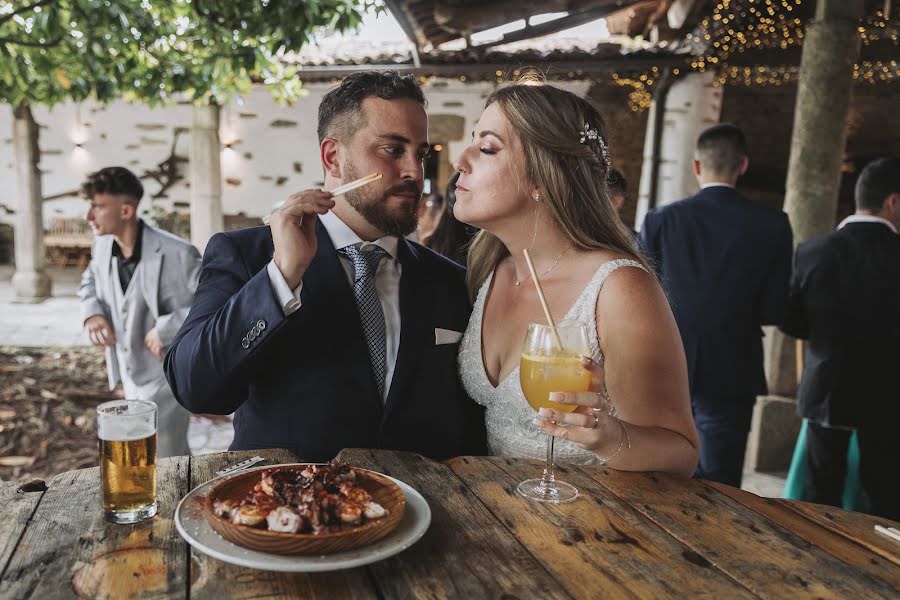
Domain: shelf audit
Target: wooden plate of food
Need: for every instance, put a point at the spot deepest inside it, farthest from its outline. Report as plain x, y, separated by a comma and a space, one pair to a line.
308, 509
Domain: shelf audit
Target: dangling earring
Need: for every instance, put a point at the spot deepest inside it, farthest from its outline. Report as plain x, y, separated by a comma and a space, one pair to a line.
537, 196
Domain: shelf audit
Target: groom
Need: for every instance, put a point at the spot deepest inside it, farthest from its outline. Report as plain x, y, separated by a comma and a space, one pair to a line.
328, 329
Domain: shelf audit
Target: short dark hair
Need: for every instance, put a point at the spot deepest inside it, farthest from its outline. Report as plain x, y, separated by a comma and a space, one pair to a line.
339, 111
616, 182
721, 148
878, 180
113, 180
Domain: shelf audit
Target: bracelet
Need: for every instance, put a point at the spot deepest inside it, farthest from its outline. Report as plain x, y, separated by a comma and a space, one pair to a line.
624, 442
608, 406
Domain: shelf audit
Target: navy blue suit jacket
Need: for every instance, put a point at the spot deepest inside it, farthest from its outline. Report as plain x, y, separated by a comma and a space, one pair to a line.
304, 382
725, 263
845, 299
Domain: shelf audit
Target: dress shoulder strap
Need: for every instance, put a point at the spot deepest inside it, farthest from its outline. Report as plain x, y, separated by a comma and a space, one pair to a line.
585, 308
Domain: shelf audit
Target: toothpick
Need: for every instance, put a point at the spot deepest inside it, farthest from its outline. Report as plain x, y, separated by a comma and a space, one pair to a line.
340, 190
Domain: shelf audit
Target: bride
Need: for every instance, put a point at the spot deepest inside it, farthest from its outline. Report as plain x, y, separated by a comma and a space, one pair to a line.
534, 178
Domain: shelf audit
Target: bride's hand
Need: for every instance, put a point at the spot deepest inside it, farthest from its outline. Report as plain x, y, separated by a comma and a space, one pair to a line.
593, 425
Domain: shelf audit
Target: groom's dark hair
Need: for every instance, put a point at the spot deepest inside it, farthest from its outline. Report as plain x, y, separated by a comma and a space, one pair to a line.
339, 112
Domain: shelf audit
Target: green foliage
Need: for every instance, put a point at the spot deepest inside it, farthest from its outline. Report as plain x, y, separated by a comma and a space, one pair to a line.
173, 221
149, 50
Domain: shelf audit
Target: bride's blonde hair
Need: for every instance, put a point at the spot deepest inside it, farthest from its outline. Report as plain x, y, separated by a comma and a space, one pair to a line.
570, 174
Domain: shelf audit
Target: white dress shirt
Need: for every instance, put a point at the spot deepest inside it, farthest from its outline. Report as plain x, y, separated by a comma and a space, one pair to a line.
867, 219
387, 284
716, 184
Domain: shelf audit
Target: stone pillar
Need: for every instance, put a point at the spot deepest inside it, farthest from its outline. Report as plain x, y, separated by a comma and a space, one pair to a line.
693, 103
205, 176
830, 48
30, 282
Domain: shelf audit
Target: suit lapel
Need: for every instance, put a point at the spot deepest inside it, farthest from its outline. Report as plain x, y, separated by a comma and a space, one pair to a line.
415, 335
327, 291
149, 267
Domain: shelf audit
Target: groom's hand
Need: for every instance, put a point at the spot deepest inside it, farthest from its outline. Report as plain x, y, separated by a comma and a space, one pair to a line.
294, 232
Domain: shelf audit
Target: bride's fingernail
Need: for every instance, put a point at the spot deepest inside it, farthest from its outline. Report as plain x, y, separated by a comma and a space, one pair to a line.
545, 412
557, 396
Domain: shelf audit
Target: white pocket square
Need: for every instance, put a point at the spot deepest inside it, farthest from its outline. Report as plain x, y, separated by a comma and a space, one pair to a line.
446, 336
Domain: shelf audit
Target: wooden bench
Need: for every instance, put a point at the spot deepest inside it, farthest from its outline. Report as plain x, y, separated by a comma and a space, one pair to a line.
68, 242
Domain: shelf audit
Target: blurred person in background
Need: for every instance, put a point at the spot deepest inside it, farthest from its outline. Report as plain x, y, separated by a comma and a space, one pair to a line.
430, 211
451, 237
845, 300
135, 294
618, 190
725, 262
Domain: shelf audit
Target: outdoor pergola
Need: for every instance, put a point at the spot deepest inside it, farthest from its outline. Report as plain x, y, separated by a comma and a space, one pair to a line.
655, 44
667, 54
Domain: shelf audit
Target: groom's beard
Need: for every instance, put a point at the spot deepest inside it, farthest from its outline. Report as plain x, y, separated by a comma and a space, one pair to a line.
373, 205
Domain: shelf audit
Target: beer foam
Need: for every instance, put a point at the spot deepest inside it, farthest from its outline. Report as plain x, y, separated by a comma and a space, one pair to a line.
124, 432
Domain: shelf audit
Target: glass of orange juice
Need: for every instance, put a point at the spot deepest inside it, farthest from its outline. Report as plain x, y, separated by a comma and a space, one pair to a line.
551, 365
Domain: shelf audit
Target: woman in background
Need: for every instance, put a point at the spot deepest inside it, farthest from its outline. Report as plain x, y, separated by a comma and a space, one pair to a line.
451, 237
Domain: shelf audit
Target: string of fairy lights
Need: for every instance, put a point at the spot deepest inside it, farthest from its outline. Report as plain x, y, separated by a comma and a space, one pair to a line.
738, 26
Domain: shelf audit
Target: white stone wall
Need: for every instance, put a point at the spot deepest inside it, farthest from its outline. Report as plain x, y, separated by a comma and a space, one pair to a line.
273, 149
694, 102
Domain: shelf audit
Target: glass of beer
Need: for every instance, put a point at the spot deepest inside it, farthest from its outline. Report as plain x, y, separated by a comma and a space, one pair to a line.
127, 432
548, 367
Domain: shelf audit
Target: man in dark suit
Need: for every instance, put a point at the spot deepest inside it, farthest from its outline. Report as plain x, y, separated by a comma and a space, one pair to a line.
725, 263
845, 300
327, 329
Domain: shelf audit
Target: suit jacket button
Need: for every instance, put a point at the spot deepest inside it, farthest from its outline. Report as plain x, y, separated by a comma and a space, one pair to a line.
252, 335
245, 343
260, 324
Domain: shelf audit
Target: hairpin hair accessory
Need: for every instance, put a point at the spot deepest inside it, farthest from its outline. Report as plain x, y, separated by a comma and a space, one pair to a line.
588, 135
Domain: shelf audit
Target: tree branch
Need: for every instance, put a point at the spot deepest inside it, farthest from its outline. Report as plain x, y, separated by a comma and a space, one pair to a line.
24, 9
50, 44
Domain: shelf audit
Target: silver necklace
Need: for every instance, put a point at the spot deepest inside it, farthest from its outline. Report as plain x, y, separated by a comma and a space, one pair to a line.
556, 262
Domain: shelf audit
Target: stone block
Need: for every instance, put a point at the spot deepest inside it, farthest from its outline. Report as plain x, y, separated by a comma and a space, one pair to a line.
773, 434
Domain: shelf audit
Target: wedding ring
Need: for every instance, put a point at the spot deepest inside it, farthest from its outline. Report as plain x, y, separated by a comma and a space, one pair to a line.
596, 420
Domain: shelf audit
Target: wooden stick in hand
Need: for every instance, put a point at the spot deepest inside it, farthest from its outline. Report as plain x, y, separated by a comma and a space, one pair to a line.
342, 189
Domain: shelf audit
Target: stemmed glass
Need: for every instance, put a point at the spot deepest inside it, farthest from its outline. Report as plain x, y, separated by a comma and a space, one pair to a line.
553, 365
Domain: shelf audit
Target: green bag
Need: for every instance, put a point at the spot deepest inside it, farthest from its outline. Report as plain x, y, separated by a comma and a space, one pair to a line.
795, 485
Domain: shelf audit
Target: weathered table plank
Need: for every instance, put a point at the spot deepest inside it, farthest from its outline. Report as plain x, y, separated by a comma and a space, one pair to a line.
17, 510
854, 526
466, 552
596, 545
731, 536
820, 533
69, 548
216, 580
633, 535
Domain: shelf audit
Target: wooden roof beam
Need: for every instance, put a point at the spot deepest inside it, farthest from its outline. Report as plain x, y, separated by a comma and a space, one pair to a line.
533, 31
399, 13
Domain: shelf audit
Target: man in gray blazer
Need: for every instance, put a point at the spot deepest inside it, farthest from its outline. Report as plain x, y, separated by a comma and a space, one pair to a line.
135, 294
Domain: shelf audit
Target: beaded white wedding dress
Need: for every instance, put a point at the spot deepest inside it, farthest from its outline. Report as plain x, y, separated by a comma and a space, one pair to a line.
508, 416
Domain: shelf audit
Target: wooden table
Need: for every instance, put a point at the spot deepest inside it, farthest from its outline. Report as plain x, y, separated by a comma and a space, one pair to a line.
630, 535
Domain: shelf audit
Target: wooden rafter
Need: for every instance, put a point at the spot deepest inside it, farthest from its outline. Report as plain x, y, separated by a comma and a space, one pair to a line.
534, 31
